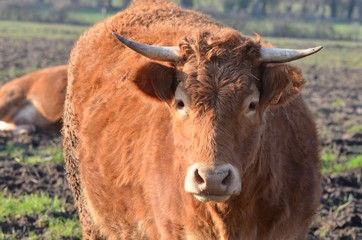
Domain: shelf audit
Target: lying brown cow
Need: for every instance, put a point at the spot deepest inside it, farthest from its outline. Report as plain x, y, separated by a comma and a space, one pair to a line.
34, 101
205, 138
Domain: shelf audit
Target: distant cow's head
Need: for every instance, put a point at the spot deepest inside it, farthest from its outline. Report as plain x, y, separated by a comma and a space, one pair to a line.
218, 87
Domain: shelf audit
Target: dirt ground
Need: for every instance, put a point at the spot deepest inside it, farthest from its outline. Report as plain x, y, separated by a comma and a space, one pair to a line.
333, 95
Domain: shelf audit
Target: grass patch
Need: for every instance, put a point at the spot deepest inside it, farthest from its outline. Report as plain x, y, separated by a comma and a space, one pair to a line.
331, 163
27, 155
28, 204
354, 129
13, 151
29, 30
337, 103
354, 162
329, 160
40, 205
52, 153
63, 227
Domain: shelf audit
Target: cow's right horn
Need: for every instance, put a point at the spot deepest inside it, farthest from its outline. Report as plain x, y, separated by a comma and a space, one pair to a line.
160, 53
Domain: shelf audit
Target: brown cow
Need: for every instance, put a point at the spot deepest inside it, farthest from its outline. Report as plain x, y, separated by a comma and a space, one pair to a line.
34, 101
206, 138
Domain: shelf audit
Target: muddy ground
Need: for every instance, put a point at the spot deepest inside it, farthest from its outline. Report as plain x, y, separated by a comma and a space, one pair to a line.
333, 94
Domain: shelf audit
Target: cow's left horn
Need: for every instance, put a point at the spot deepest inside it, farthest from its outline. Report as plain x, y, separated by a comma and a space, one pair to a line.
281, 55
160, 53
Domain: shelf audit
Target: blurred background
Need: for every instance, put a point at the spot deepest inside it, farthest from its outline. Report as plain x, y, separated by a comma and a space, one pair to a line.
322, 19
35, 202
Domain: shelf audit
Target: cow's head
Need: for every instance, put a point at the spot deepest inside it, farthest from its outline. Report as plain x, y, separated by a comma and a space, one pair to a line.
218, 88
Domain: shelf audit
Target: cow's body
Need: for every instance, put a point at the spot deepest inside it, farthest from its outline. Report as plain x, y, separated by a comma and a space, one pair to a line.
34, 101
131, 158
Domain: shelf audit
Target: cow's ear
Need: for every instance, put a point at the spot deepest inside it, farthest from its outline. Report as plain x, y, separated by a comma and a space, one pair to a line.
156, 80
280, 83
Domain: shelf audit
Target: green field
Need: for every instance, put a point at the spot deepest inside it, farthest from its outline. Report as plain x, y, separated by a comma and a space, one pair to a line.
28, 31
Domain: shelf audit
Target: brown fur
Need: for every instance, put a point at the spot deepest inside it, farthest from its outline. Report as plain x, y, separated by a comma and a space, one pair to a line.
35, 100
127, 147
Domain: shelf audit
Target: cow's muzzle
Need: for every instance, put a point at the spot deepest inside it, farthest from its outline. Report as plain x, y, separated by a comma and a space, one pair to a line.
212, 183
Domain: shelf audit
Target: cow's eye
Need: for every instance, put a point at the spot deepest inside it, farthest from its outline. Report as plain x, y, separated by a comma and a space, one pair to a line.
182, 100
252, 106
180, 104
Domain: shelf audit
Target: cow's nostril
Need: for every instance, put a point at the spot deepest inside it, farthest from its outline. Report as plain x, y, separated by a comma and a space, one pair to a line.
227, 179
198, 178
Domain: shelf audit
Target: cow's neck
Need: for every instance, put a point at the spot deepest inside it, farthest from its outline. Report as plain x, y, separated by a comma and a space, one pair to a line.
226, 221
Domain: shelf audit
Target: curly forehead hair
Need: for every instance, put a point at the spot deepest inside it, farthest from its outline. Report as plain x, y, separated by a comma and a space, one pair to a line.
225, 44
219, 66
